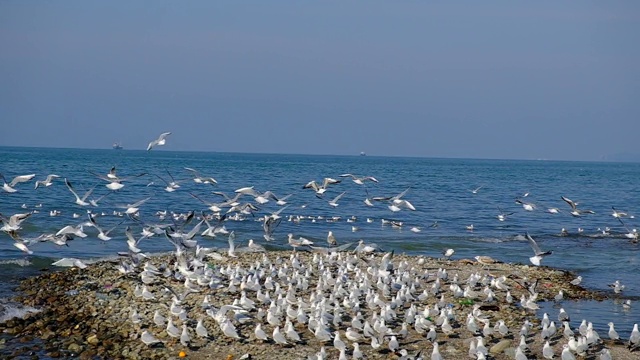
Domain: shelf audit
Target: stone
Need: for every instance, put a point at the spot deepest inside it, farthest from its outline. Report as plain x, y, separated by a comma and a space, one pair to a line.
500, 347
75, 348
93, 340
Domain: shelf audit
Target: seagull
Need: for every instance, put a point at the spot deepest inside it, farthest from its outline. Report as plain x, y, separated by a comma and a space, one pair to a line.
613, 334
320, 189
260, 334
171, 185
334, 202
502, 216
114, 182
574, 210
22, 247
135, 207
538, 253
158, 319
448, 253
102, 235
331, 239
148, 338
79, 200
13, 222
172, 330
618, 214
360, 179
16, 180
48, 181
631, 234
475, 191
576, 281
184, 337
200, 179
278, 337
527, 206
161, 140
617, 287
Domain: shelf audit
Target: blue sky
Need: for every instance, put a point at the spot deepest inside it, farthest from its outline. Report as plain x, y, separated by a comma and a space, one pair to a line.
500, 79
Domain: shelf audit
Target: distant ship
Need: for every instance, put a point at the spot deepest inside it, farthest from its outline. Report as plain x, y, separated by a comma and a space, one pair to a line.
117, 146
362, 153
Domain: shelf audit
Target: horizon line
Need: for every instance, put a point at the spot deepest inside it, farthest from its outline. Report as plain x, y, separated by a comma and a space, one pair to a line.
362, 154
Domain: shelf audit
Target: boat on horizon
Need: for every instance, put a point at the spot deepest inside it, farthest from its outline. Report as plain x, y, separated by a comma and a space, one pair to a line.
362, 153
117, 146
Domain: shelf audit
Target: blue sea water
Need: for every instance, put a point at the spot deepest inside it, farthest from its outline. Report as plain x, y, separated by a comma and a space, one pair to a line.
439, 189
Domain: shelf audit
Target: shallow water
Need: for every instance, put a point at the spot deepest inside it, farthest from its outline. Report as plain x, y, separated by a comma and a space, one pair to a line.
440, 190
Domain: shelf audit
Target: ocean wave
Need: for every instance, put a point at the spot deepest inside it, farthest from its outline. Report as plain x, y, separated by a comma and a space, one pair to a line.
13, 310
19, 262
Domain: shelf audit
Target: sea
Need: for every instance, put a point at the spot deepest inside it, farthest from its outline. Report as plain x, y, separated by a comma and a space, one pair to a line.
449, 196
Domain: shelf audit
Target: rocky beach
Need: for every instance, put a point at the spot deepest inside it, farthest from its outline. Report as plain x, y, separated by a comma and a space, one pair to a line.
98, 312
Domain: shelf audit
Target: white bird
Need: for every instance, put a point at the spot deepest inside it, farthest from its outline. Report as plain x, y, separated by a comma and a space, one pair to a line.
525, 205
634, 339
16, 180
617, 287
22, 247
331, 239
158, 319
48, 181
13, 222
547, 351
291, 333
359, 179
201, 330
260, 334
576, 281
102, 235
278, 337
79, 200
338, 343
172, 330
184, 337
520, 355
605, 354
148, 338
161, 140
394, 345
357, 353
613, 334
334, 202
538, 253
435, 355
566, 353
228, 329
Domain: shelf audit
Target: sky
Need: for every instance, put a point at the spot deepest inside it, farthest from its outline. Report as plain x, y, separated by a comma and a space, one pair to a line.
464, 79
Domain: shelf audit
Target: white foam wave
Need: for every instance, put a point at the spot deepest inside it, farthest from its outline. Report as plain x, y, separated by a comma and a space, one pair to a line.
11, 311
19, 262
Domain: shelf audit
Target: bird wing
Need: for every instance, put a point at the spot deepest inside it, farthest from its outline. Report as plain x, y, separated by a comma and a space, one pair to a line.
338, 197
21, 178
569, 201
400, 195
70, 187
138, 203
534, 245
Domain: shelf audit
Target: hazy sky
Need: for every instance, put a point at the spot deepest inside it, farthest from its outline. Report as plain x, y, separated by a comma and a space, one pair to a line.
479, 79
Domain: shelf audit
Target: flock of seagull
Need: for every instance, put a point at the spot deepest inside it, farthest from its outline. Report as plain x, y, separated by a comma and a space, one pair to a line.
372, 293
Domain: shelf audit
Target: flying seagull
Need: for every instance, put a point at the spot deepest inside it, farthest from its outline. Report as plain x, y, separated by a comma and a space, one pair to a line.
539, 254
161, 140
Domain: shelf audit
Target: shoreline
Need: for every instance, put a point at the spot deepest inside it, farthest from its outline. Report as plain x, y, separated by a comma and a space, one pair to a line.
86, 313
